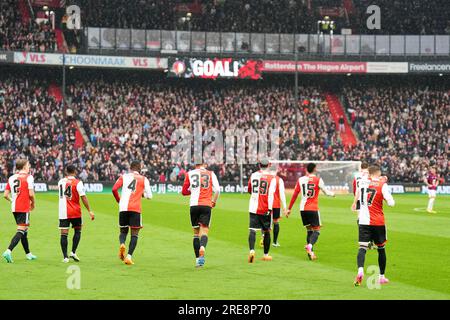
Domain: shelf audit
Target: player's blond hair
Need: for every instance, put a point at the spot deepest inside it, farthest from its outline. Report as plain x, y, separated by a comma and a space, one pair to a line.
21, 163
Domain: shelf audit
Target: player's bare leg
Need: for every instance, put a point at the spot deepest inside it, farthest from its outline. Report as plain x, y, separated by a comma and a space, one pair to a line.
276, 231
382, 263
64, 243
133, 243
267, 241
75, 242
430, 204
122, 238
363, 246
196, 245
203, 242
251, 244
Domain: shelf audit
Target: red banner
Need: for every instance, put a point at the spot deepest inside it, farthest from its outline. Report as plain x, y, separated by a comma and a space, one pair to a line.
193, 6
49, 3
314, 66
331, 11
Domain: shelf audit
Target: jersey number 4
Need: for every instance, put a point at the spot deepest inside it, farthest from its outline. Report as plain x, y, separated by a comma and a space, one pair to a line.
67, 192
132, 185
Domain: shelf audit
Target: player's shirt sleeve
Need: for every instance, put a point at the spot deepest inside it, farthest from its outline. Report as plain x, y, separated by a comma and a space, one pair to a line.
215, 183
249, 186
147, 189
324, 189
8, 187
354, 186
282, 193
80, 189
295, 195
387, 195
186, 185
30, 181
272, 190
116, 187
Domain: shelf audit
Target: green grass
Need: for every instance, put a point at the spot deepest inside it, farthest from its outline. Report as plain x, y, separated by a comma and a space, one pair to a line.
418, 254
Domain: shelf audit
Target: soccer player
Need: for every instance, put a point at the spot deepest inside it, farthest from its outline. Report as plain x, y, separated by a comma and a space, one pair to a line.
20, 192
279, 200
309, 186
363, 173
371, 192
134, 187
432, 183
203, 188
261, 186
70, 191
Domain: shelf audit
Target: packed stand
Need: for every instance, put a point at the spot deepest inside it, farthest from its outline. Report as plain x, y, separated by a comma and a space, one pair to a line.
267, 16
32, 126
129, 120
16, 35
285, 16
404, 127
414, 17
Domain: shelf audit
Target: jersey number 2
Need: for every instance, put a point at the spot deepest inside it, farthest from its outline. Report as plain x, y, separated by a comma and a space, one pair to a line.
16, 186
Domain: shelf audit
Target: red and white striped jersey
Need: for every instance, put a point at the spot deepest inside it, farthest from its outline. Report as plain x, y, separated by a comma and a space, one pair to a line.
261, 186
200, 184
134, 187
279, 197
309, 186
371, 194
70, 190
19, 185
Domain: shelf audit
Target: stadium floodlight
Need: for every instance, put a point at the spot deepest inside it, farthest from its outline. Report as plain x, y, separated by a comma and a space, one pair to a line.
337, 175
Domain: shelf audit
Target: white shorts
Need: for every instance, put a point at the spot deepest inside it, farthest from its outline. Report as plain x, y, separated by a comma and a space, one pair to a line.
432, 193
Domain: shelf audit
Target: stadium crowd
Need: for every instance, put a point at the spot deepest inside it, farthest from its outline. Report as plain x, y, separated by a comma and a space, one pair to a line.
258, 16
31, 125
144, 117
403, 129
226, 16
267, 16
16, 35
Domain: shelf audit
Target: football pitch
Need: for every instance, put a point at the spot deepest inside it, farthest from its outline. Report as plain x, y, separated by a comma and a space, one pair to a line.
417, 251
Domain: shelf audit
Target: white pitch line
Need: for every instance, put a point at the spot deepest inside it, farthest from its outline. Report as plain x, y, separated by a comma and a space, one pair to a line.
420, 209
